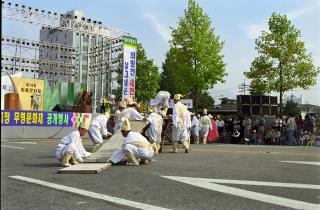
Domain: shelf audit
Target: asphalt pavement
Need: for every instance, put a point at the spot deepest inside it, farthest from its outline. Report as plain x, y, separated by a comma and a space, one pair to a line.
215, 176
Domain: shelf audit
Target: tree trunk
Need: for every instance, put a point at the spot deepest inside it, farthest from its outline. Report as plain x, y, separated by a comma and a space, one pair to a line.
196, 100
281, 93
281, 88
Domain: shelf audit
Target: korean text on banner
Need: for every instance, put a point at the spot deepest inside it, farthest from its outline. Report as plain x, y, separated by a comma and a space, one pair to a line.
129, 67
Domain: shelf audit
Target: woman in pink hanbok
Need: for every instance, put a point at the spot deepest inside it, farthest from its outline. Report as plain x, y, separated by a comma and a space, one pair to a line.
213, 133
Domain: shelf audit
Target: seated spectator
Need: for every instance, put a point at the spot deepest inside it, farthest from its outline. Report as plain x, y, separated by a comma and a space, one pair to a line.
277, 137
235, 137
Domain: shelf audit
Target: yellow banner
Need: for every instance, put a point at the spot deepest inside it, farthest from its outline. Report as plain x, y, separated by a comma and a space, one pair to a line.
31, 93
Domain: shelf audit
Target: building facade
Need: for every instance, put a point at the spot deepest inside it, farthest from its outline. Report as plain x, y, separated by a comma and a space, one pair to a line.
89, 57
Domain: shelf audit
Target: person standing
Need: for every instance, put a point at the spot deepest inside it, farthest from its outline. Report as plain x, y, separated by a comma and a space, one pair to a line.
220, 125
262, 123
103, 104
117, 117
299, 123
98, 130
136, 148
70, 150
32, 102
205, 126
291, 127
308, 124
247, 126
195, 126
213, 134
179, 125
36, 99
155, 128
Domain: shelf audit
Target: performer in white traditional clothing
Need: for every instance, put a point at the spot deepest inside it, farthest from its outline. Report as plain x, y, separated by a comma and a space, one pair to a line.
188, 126
130, 113
161, 101
98, 130
180, 123
117, 118
195, 125
70, 148
205, 126
155, 128
135, 147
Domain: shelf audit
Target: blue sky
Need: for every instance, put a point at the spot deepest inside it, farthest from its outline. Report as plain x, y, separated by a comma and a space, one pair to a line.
237, 22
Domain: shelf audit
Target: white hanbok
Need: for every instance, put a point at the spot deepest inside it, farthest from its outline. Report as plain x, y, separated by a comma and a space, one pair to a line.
205, 125
98, 127
129, 113
72, 143
195, 125
180, 122
117, 119
161, 100
136, 144
155, 128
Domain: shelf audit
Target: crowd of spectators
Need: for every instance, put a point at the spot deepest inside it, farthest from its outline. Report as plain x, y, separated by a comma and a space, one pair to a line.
261, 130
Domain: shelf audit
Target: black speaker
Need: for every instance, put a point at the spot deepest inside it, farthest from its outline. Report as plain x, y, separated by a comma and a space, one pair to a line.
62, 108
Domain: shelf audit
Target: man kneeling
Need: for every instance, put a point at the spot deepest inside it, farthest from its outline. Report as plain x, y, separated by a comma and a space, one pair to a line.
70, 150
135, 147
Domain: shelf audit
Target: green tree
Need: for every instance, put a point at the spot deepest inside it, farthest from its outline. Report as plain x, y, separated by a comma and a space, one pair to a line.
167, 82
226, 100
283, 62
147, 77
257, 88
205, 101
194, 60
291, 107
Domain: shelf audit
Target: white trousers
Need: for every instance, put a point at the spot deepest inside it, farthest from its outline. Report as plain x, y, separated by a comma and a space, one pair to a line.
139, 153
62, 149
154, 134
179, 133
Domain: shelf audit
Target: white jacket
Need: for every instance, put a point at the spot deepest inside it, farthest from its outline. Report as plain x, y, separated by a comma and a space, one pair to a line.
180, 115
136, 144
131, 114
161, 100
100, 122
72, 143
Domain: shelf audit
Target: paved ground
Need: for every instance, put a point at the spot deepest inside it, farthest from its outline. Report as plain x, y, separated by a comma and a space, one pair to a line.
201, 179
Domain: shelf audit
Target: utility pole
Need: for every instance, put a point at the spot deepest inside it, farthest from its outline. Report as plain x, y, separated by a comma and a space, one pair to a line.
243, 87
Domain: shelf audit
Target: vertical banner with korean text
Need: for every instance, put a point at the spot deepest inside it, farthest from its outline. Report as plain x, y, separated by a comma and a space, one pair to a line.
129, 67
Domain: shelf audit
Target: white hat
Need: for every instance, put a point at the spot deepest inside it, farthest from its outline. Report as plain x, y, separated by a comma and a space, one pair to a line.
154, 109
177, 96
85, 124
205, 111
131, 101
122, 105
126, 125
